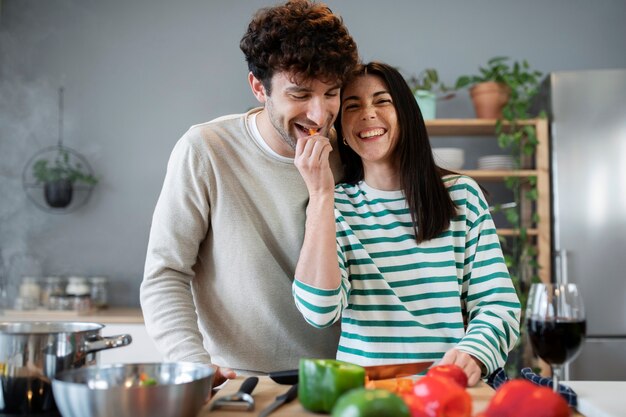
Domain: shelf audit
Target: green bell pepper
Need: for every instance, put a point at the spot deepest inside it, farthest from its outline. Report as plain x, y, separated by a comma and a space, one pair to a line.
322, 381
362, 402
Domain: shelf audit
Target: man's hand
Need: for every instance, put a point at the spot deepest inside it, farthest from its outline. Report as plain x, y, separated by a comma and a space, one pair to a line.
221, 375
470, 365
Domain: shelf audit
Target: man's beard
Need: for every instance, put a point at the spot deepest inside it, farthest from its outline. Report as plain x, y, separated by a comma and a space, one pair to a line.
276, 122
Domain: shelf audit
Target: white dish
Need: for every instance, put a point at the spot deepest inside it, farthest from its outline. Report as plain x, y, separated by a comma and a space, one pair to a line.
449, 158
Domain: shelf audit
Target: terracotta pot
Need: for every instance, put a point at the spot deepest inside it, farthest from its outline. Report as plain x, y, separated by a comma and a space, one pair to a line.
489, 98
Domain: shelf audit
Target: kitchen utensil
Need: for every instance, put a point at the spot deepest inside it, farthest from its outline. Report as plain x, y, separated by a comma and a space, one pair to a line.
290, 376
178, 389
31, 353
241, 398
288, 396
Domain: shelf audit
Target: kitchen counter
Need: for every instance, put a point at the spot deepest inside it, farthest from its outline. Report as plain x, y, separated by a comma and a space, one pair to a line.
600, 398
108, 315
267, 390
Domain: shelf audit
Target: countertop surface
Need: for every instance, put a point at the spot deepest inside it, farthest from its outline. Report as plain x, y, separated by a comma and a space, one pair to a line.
600, 398
129, 315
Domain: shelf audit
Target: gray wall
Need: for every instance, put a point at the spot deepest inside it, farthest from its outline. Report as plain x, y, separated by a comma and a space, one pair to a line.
138, 73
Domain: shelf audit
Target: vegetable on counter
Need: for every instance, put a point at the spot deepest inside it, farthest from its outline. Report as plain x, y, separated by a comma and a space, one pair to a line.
451, 371
519, 398
435, 396
363, 402
322, 381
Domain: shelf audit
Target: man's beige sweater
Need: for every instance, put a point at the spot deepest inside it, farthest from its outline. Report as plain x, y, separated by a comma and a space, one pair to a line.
225, 238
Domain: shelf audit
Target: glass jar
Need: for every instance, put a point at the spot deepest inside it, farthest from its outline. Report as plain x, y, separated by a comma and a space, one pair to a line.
79, 293
99, 291
52, 286
29, 293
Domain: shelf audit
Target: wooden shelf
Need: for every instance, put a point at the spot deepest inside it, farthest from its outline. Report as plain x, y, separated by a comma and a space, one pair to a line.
541, 234
467, 127
498, 175
513, 232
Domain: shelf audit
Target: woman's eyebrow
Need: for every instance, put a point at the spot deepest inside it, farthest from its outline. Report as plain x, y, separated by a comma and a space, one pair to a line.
376, 94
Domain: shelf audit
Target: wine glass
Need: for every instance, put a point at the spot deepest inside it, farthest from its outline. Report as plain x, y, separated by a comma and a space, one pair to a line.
556, 324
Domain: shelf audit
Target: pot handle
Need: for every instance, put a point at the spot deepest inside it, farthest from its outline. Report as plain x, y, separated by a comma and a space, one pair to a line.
109, 342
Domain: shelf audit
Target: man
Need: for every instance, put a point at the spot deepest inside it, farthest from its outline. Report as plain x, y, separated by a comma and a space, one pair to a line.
229, 222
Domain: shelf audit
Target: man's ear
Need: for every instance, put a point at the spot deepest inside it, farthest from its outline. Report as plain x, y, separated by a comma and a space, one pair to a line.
257, 88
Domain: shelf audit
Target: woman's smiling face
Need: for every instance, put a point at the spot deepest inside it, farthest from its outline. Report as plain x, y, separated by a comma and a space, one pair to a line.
369, 120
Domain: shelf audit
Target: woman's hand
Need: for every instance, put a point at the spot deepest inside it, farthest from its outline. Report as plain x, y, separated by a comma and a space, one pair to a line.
470, 365
312, 162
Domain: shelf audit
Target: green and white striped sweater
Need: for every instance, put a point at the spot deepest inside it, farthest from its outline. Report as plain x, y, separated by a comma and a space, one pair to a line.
401, 302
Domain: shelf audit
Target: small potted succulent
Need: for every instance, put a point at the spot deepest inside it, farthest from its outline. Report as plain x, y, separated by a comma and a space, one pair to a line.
496, 83
427, 88
58, 178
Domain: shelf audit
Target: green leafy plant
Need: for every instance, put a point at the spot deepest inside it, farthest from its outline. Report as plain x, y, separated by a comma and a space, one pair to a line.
428, 80
61, 169
520, 140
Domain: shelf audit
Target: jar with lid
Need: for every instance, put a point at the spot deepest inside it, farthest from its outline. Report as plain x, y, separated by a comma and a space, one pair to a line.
99, 291
79, 293
29, 294
52, 287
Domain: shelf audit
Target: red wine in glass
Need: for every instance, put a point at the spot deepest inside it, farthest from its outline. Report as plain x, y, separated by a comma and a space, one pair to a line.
556, 324
558, 341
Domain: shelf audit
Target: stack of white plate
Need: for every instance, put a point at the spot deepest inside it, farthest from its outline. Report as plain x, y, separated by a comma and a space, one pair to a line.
495, 162
449, 158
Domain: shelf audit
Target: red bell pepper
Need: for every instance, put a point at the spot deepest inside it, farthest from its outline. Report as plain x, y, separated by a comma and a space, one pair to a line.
434, 396
520, 398
454, 372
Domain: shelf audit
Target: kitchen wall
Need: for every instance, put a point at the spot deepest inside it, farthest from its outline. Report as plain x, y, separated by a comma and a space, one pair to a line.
138, 73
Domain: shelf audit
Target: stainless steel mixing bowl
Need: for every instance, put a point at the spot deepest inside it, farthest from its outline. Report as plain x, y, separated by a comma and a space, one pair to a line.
180, 389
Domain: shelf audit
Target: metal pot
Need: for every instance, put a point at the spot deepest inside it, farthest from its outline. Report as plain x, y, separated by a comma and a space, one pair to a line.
31, 354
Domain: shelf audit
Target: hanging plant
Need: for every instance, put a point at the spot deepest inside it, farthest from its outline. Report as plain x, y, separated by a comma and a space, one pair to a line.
56, 170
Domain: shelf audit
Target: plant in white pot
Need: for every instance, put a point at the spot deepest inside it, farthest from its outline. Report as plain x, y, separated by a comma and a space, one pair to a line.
427, 89
58, 177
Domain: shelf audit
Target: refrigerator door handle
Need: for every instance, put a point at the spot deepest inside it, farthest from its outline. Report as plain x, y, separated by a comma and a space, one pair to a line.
561, 269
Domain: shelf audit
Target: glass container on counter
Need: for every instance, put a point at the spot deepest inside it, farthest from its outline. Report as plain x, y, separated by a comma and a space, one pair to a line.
99, 292
52, 287
78, 293
29, 293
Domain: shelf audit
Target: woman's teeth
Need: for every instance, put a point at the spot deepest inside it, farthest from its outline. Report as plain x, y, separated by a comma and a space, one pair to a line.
371, 133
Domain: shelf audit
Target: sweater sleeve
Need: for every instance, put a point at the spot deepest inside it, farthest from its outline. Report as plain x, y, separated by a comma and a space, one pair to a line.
488, 295
179, 225
322, 307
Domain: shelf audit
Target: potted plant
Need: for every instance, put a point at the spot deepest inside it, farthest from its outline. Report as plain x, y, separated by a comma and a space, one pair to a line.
513, 84
497, 83
427, 88
58, 178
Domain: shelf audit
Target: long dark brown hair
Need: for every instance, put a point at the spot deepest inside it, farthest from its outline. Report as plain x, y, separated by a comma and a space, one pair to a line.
421, 179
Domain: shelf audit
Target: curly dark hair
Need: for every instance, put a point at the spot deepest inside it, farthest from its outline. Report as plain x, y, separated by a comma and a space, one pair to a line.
429, 202
300, 37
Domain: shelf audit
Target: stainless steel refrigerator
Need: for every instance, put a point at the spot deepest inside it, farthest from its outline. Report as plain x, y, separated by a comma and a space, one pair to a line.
587, 111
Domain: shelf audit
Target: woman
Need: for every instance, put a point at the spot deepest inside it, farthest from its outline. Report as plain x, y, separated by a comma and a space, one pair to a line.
420, 272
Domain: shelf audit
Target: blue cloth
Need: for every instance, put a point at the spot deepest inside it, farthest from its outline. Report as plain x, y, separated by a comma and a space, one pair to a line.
499, 377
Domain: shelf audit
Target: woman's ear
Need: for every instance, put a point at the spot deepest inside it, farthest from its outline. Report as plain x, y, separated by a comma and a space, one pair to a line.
257, 88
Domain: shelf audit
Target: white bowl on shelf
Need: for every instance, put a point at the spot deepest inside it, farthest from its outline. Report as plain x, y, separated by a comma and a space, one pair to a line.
449, 158
495, 162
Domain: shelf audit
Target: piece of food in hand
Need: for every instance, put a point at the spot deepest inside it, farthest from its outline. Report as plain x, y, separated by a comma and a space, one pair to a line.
322, 381
362, 402
454, 372
146, 381
438, 397
312, 131
519, 397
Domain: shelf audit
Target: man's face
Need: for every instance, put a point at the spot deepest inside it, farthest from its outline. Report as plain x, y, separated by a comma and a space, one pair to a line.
295, 110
